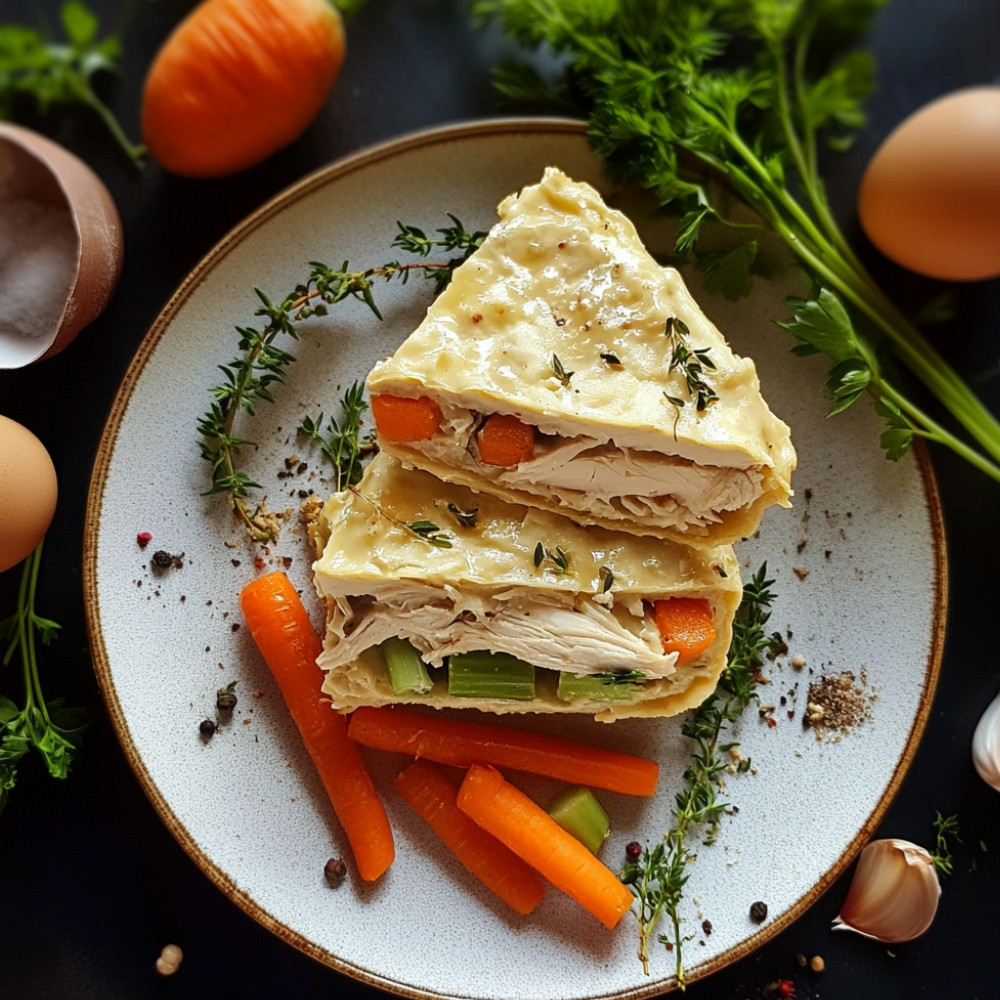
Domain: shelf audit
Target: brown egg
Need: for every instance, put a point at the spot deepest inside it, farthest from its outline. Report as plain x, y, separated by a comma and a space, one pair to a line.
930, 198
28, 492
60, 246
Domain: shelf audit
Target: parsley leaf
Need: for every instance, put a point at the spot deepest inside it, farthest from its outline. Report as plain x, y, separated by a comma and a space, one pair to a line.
50, 73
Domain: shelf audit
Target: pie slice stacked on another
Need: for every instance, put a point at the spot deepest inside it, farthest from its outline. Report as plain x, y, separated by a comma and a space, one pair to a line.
563, 368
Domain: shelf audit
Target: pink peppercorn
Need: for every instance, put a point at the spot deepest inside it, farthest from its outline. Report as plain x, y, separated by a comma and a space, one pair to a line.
144, 538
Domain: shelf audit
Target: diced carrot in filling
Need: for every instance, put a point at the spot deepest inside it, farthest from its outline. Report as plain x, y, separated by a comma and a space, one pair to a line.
685, 625
401, 419
505, 440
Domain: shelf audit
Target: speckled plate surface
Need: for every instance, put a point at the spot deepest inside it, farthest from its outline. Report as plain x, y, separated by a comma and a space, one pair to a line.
858, 566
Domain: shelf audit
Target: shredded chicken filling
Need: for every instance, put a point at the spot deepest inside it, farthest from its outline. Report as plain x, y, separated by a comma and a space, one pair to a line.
581, 636
604, 479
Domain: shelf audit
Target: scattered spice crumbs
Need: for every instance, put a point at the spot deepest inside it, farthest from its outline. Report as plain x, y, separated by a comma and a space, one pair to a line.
836, 705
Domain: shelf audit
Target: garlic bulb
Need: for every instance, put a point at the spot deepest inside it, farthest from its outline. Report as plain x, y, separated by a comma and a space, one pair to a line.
986, 745
894, 893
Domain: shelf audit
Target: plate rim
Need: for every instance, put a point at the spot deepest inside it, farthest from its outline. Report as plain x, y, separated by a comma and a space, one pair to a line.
323, 175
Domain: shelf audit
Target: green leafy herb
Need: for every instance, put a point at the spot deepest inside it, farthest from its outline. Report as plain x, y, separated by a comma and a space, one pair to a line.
560, 372
556, 556
607, 579
611, 359
429, 532
712, 103
261, 364
945, 830
425, 530
692, 365
61, 73
466, 518
48, 726
657, 877
341, 442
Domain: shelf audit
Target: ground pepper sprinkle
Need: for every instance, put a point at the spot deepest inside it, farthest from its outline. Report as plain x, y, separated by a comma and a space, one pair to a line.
836, 705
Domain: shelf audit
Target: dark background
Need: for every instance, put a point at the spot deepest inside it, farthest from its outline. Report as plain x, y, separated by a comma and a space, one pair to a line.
92, 885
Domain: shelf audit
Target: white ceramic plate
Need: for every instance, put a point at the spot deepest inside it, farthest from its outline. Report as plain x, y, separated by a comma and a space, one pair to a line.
858, 565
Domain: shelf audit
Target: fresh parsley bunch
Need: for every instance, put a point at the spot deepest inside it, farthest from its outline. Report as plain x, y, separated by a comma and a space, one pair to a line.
711, 103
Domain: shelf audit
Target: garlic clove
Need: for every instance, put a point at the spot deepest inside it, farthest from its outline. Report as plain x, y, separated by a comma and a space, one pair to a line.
986, 745
894, 893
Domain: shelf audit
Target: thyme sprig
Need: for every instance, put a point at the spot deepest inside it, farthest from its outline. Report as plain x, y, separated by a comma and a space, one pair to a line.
341, 442
426, 531
658, 876
261, 365
692, 364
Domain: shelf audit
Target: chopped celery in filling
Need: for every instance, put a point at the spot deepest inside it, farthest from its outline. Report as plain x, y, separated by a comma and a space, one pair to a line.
501, 675
490, 675
407, 671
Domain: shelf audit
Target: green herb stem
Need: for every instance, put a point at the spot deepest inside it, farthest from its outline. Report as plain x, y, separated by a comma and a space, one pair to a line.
249, 377
47, 726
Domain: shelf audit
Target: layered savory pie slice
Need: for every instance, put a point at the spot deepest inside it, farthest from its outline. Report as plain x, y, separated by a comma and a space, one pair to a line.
437, 595
564, 368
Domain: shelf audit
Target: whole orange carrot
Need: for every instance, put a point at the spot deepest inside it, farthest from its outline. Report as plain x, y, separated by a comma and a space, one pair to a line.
281, 628
532, 834
434, 796
453, 741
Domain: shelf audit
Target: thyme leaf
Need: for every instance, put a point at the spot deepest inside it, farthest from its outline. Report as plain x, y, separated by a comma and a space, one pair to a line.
466, 518
556, 556
560, 372
606, 578
429, 532
657, 877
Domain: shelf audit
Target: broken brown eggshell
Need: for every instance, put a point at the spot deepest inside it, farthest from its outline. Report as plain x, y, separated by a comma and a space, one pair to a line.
60, 246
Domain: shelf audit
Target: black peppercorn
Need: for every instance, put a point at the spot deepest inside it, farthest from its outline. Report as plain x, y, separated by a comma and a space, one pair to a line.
758, 912
207, 728
335, 870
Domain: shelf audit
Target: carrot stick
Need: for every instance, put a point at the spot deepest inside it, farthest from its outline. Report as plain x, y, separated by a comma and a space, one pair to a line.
451, 741
434, 797
685, 625
531, 833
505, 440
281, 628
400, 419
